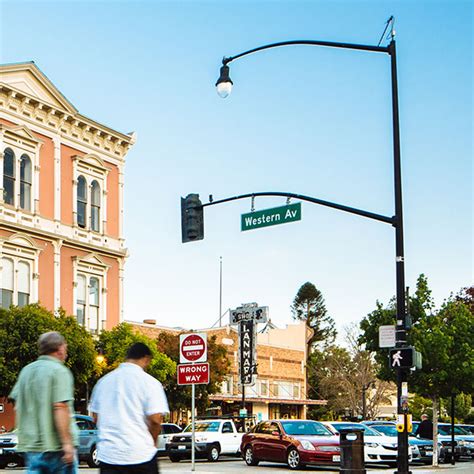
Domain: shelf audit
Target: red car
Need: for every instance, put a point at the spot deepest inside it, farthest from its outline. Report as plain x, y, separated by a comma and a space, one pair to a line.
296, 442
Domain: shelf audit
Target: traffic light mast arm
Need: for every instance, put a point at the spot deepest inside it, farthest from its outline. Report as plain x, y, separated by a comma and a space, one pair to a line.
340, 207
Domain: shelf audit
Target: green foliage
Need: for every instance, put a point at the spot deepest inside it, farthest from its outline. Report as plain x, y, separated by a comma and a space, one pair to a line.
445, 340
309, 306
462, 408
115, 343
420, 405
179, 397
20, 329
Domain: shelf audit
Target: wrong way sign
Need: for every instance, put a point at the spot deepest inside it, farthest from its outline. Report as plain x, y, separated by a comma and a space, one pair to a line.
192, 348
190, 374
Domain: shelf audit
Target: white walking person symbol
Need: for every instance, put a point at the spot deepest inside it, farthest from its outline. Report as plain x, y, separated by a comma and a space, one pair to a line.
397, 357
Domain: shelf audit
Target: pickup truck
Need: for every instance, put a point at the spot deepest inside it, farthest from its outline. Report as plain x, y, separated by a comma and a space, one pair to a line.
212, 438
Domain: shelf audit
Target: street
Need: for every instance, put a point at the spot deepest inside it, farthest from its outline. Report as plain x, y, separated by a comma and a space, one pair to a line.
236, 465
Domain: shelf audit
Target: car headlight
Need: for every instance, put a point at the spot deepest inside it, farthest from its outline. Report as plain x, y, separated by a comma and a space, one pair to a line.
307, 445
372, 445
462, 443
327, 448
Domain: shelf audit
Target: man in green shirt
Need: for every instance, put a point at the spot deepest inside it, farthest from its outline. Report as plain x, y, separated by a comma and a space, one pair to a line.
43, 397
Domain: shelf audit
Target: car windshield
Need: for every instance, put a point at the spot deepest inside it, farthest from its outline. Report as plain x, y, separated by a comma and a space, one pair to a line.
388, 430
367, 430
311, 428
204, 426
446, 430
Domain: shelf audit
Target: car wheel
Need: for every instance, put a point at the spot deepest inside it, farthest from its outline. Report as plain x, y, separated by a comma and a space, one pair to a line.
213, 453
92, 460
174, 458
293, 459
249, 457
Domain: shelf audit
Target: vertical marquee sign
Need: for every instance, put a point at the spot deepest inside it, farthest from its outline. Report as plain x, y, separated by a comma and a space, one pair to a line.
247, 343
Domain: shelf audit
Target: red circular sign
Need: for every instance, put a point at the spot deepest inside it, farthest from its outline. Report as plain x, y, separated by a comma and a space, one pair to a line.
193, 347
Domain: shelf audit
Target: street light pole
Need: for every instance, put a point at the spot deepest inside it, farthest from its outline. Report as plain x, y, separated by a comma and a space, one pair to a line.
224, 87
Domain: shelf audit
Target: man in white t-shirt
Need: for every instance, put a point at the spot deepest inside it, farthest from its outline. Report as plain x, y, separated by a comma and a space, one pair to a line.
128, 405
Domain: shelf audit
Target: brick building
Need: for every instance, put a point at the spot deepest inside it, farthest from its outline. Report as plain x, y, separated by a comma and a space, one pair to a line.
280, 389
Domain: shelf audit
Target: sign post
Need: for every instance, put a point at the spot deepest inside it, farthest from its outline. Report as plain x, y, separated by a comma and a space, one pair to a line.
193, 369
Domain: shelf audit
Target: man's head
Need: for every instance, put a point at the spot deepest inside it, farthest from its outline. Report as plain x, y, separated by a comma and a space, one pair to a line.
53, 344
424, 417
139, 354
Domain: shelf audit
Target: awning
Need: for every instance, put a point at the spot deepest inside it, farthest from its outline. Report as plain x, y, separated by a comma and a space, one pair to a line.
283, 401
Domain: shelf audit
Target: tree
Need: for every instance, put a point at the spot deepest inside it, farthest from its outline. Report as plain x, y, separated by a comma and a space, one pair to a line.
444, 338
179, 397
309, 306
20, 329
115, 343
347, 378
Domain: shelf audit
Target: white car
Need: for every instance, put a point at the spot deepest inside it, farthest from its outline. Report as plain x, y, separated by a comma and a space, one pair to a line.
378, 448
167, 431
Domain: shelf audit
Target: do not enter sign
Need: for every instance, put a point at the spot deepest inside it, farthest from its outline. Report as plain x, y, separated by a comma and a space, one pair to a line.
192, 348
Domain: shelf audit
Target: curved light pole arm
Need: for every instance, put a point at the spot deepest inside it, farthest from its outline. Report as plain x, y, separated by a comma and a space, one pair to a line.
329, 44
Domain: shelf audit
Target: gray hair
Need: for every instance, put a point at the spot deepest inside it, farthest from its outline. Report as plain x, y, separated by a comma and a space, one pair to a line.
50, 342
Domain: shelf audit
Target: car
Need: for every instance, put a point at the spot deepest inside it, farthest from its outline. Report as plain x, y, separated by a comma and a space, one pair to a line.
8, 454
422, 449
167, 431
378, 448
212, 438
464, 440
87, 450
295, 442
468, 428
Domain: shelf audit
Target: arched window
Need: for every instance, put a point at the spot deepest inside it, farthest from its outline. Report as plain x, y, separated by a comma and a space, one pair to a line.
81, 299
94, 304
81, 201
25, 183
95, 206
7, 283
9, 177
23, 283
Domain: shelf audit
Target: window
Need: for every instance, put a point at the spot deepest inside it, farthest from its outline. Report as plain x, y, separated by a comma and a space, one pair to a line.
264, 388
88, 302
25, 183
9, 177
296, 390
81, 201
16, 282
7, 283
23, 283
227, 427
81, 300
95, 206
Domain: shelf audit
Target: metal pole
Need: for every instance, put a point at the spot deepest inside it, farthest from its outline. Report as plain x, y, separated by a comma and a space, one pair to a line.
220, 293
364, 409
400, 259
193, 440
453, 461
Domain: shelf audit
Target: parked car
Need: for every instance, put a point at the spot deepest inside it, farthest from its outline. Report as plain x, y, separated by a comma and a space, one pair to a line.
464, 440
296, 442
422, 449
167, 431
212, 437
378, 448
468, 428
8, 454
87, 450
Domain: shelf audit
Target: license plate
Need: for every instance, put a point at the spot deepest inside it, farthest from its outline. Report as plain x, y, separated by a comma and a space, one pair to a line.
181, 447
429, 453
336, 458
1, 451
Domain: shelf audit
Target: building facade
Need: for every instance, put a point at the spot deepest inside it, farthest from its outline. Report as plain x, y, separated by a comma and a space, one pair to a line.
61, 202
280, 386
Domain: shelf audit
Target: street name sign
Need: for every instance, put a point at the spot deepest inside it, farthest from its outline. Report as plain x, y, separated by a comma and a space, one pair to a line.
192, 348
269, 217
193, 374
387, 336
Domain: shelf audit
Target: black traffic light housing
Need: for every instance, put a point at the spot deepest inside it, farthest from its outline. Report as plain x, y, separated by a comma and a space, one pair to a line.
192, 218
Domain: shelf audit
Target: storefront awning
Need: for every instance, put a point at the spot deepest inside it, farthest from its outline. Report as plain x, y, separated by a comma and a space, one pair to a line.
283, 401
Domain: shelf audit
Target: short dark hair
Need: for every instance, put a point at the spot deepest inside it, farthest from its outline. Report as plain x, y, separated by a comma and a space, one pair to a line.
138, 351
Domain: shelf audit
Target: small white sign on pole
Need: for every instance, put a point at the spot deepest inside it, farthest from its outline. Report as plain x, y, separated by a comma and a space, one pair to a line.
387, 336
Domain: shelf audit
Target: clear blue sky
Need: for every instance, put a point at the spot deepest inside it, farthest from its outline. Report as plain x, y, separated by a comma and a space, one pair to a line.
309, 120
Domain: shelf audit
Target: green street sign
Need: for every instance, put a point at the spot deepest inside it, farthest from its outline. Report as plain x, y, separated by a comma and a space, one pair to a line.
268, 217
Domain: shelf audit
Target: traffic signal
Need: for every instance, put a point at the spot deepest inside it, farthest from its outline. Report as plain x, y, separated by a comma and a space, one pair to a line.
192, 218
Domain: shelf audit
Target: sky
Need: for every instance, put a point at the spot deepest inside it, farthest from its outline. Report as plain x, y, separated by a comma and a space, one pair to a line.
301, 119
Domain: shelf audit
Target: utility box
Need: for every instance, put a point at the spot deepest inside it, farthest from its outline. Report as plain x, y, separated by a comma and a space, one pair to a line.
351, 442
